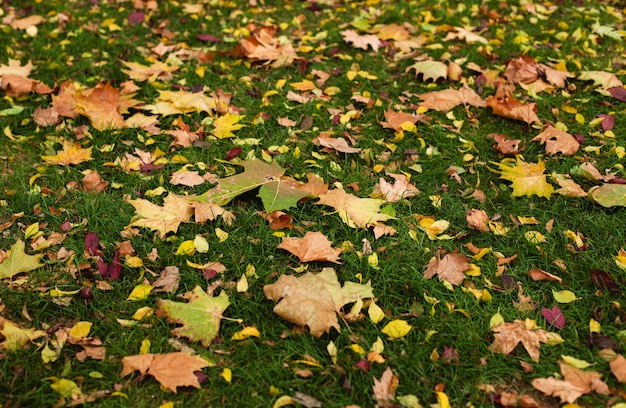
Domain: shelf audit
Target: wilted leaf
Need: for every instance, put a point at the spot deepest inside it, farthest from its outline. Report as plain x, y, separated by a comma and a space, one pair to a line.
564, 296
314, 246
200, 318
396, 329
554, 316
574, 384
509, 335
430, 70
608, 195
72, 153
385, 389
14, 337
392, 193
314, 300
443, 101
171, 370
450, 267
557, 141
618, 368
361, 41
505, 105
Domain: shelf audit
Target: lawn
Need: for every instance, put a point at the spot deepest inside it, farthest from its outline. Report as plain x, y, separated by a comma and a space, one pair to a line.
312, 203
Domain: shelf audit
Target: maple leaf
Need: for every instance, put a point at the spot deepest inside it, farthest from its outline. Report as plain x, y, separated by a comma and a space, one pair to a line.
392, 193
262, 45
17, 261
466, 34
450, 267
527, 178
505, 105
314, 246
509, 335
618, 368
557, 141
176, 210
396, 120
208, 211
186, 178
314, 300
171, 370
157, 70
103, 105
183, 136
224, 125
443, 101
72, 153
354, 211
173, 103
16, 338
15, 67
361, 41
276, 191
477, 219
575, 383
430, 70
339, 144
385, 389
506, 145
200, 318
605, 80
93, 182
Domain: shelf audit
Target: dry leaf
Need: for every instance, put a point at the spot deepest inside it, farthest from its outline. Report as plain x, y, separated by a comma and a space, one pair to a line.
385, 389
509, 335
393, 193
450, 267
172, 370
314, 246
557, 141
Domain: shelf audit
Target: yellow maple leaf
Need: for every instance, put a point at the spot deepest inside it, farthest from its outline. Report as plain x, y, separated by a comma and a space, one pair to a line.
176, 209
72, 153
353, 210
224, 125
527, 178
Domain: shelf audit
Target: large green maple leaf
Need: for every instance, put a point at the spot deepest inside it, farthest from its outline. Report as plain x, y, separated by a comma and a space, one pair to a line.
18, 261
276, 191
200, 318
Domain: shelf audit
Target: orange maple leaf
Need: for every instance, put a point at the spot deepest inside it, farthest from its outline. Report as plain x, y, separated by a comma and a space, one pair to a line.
314, 246
575, 383
103, 105
172, 370
361, 41
72, 153
447, 99
505, 105
557, 141
509, 335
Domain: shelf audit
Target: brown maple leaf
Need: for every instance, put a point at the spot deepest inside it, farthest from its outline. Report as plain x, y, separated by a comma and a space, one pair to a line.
263, 45
505, 105
506, 145
103, 105
477, 219
450, 267
509, 335
396, 119
171, 370
575, 383
314, 246
444, 100
92, 182
314, 300
401, 189
557, 141
385, 389
618, 368
175, 210
337, 143
361, 41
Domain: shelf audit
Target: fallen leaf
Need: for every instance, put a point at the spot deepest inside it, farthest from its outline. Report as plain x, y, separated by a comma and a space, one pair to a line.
176, 210
527, 178
396, 329
93, 182
430, 69
72, 153
477, 219
557, 141
385, 389
618, 368
314, 246
575, 383
508, 335
361, 41
505, 105
354, 211
393, 193
103, 105
450, 267
200, 317
608, 195
171, 370
14, 337
554, 316
447, 99
17, 261
506, 145
314, 300
564, 296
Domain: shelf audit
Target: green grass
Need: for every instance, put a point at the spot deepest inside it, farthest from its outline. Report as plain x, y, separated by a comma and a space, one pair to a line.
89, 49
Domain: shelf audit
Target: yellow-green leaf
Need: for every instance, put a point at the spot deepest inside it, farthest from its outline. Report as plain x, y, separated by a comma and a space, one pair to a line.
564, 296
396, 329
574, 362
81, 330
17, 261
67, 388
140, 292
375, 313
186, 248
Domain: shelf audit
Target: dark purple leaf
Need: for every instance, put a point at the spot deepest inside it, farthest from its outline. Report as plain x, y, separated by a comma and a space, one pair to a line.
307, 123
601, 341
208, 38
335, 120
114, 269
149, 168
85, 293
554, 316
617, 180
618, 92
102, 268
92, 244
202, 377
608, 122
508, 282
449, 355
579, 138
136, 17
603, 280
234, 152
66, 226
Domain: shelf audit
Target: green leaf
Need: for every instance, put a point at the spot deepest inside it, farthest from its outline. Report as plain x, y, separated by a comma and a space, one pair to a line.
608, 195
200, 317
17, 261
276, 191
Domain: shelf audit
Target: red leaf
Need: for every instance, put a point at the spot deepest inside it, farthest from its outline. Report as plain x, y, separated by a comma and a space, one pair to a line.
603, 280
554, 316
